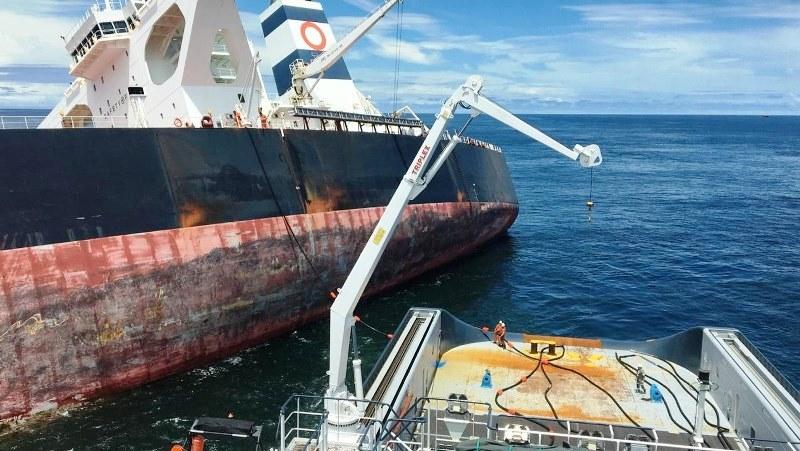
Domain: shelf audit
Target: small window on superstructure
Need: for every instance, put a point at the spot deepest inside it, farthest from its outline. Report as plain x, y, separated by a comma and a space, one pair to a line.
107, 27
223, 66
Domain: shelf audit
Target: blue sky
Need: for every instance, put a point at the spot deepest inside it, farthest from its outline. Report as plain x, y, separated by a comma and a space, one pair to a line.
698, 57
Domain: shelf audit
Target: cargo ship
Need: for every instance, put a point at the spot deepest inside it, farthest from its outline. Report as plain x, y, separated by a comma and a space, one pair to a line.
168, 213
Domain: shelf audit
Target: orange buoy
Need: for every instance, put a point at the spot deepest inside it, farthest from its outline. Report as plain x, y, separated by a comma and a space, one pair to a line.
178, 122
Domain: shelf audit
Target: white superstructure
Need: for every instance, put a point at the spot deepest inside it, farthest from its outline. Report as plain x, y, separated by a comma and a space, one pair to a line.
179, 63
158, 63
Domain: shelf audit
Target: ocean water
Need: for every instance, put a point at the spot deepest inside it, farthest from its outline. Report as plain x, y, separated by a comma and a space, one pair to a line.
696, 223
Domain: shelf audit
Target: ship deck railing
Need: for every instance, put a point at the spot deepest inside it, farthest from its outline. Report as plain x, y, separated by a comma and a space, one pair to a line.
429, 425
303, 422
97, 7
341, 121
32, 122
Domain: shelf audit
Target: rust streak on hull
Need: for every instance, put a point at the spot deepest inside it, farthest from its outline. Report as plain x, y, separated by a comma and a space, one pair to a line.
83, 319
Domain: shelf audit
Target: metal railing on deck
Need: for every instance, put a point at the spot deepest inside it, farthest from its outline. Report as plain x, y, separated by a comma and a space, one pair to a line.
31, 122
304, 422
98, 6
434, 424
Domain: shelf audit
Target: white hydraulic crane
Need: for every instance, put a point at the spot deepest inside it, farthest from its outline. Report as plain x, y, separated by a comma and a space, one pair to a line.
301, 71
413, 183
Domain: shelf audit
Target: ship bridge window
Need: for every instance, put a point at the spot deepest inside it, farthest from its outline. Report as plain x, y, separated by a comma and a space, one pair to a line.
223, 66
163, 48
107, 27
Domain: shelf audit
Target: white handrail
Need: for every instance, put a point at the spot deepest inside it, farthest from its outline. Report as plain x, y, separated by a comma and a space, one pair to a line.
98, 6
31, 122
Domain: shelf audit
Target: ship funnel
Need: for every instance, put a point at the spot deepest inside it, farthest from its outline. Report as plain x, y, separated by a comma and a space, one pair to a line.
298, 30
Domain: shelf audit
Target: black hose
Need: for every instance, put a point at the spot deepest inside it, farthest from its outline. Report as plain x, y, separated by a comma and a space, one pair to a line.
578, 373
628, 367
514, 385
681, 381
610, 396
547, 399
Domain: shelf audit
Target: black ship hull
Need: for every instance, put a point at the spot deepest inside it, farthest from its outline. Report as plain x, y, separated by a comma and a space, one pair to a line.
130, 254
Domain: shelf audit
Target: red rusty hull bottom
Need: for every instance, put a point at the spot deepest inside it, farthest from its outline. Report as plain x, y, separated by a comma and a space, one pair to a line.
83, 319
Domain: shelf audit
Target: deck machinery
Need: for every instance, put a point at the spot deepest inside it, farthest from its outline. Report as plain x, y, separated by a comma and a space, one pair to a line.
443, 384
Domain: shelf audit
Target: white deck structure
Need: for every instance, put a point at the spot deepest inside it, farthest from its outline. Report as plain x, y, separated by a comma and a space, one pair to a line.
158, 63
170, 63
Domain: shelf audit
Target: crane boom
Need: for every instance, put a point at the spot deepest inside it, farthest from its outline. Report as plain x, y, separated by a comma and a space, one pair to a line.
414, 181
323, 62
327, 59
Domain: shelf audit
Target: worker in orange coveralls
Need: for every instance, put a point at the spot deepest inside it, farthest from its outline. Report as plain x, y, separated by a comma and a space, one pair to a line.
500, 334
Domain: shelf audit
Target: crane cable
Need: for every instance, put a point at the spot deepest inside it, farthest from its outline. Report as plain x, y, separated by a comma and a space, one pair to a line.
590, 202
358, 320
289, 230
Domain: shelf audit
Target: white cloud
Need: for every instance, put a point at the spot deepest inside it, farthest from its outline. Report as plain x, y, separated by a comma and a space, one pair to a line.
30, 95
648, 55
765, 10
32, 39
639, 14
366, 5
45, 7
687, 13
410, 52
